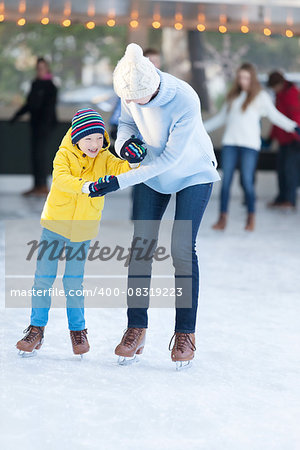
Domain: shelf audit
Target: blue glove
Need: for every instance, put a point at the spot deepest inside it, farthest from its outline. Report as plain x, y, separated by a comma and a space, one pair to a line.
133, 150
297, 130
104, 185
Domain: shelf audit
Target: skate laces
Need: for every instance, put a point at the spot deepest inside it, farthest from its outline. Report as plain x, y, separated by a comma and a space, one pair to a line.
181, 341
79, 337
131, 335
31, 333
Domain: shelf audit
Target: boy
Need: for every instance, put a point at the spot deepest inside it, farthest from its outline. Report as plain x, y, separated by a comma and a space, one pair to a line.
70, 219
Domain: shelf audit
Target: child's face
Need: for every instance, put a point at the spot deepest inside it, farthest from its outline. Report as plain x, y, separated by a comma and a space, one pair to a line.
91, 144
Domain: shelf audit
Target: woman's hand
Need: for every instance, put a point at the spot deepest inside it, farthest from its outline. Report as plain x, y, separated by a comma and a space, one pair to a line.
133, 150
104, 185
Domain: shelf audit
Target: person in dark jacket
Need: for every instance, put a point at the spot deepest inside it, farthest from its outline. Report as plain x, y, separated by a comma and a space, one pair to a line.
40, 104
288, 162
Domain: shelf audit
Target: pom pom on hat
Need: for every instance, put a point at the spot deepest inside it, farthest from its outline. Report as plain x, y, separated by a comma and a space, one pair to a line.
133, 52
135, 76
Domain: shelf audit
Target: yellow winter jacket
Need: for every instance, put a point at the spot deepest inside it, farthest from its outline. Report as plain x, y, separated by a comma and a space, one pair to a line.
67, 210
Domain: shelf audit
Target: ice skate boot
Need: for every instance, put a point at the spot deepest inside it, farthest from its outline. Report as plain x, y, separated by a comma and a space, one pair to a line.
80, 342
183, 349
221, 223
132, 344
31, 342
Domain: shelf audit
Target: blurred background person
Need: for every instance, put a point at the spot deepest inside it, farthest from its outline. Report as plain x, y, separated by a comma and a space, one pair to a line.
245, 104
41, 105
154, 56
288, 158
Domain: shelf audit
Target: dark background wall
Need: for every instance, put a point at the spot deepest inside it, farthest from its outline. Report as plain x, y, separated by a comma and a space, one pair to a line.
15, 148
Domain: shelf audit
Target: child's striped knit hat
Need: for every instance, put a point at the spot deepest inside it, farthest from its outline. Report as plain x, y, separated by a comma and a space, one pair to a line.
85, 122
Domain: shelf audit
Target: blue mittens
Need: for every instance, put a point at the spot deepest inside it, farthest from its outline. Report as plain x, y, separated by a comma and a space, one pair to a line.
133, 150
104, 185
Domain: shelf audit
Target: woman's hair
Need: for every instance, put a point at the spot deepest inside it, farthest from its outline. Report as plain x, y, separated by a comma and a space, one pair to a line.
254, 88
151, 51
44, 61
275, 78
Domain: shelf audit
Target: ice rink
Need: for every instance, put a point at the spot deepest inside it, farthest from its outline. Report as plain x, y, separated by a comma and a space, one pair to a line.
243, 390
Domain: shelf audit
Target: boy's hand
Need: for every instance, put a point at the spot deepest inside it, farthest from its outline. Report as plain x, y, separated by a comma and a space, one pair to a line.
133, 150
104, 185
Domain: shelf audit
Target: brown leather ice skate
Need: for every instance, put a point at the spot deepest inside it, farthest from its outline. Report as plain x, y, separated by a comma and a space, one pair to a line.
80, 342
183, 349
222, 222
132, 343
33, 340
37, 191
250, 224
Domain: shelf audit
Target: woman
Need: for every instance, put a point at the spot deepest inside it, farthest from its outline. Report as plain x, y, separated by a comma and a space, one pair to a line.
40, 103
165, 112
245, 105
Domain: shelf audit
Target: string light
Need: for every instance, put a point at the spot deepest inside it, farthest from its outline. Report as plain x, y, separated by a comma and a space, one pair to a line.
67, 9
178, 26
289, 33
111, 22
22, 7
91, 9
2, 8
267, 31
134, 23
200, 27
45, 9
201, 22
90, 25
21, 22
45, 20
178, 21
244, 29
67, 12
222, 29
156, 24
66, 22
223, 21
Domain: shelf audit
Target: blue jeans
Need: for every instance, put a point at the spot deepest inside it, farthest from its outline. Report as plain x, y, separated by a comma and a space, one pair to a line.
150, 205
281, 173
45, 275
292, 171
247, 158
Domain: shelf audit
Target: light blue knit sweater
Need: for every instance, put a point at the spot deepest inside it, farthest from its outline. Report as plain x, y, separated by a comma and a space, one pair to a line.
180, 152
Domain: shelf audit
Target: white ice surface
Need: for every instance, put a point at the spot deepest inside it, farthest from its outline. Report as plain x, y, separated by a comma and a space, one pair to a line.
243, 391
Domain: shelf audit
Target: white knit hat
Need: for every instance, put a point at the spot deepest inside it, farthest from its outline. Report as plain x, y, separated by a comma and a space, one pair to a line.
135, 76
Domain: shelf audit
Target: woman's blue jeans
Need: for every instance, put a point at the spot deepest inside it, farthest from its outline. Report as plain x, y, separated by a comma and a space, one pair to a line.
246, 158
150, 205
45, 275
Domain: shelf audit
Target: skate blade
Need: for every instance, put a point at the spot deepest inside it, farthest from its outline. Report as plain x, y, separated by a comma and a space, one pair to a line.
127, 361
79, 356
182, 365
23, 354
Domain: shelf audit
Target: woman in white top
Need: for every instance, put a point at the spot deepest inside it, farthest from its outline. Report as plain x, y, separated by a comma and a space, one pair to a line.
245, 105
